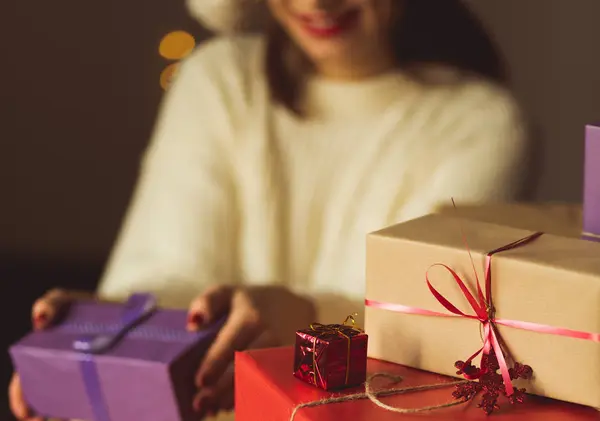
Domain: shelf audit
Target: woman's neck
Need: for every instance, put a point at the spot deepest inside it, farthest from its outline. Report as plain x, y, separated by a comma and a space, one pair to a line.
355, 70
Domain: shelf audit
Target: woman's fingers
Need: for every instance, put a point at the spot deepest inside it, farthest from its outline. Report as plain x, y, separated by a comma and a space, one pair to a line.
225, 391
211, 400
221, 396
47, 308
15, 397
227, 400
204, 403
244, 329
17, 403
243, 326
236, 334
209, 306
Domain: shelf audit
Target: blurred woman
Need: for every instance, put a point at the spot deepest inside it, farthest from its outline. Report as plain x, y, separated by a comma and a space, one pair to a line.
274, 155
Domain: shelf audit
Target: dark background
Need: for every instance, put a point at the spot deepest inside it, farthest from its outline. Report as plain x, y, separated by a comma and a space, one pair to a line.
79, 93
78, 104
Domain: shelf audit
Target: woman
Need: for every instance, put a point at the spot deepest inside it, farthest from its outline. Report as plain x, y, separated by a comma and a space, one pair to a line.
274, 157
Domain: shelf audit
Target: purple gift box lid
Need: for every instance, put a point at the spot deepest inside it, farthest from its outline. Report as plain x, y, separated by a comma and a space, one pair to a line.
148, 374
591, 187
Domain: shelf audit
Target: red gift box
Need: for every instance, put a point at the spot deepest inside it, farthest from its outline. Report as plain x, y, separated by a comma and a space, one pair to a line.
331, 356
266, 391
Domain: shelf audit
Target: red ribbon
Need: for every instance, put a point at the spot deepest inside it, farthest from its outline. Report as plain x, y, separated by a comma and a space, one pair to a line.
483, 307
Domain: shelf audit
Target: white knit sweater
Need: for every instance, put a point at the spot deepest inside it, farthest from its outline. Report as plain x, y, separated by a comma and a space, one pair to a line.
235, 189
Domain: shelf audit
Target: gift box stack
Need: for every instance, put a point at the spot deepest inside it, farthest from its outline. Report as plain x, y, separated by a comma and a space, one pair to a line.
466, 311
470, 312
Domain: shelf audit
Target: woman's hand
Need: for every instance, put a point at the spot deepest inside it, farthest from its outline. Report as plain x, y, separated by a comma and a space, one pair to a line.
44, 312
257, 318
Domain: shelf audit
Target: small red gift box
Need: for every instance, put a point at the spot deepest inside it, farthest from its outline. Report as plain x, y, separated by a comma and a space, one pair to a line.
331, 356
265, 391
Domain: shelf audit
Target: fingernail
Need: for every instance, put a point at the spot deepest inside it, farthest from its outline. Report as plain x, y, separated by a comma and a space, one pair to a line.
40, 319
195, 319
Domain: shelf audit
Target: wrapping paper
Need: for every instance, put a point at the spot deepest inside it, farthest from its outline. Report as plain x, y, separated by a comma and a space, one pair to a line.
591, 186
331, 356
148, 374
561, 219
553, 281
262, 376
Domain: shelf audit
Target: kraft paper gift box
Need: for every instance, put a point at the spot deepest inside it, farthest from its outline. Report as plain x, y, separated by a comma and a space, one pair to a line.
266, 391
553, 218
591, 187
146, 375
552, 281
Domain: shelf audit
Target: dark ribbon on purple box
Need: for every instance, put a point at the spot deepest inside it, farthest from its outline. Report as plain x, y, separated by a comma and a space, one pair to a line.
137, 309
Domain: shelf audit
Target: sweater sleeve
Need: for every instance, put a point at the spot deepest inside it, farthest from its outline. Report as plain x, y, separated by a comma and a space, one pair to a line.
484, 159
178, 235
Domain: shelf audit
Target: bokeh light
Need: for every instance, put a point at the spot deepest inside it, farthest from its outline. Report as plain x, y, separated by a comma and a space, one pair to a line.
167, 75
176, 45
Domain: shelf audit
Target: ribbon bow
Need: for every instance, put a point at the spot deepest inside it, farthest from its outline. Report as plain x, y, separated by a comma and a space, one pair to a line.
346, 329
483, 308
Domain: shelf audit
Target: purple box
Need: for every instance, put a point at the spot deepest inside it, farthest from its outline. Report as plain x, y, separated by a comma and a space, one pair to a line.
591, 186
147, 375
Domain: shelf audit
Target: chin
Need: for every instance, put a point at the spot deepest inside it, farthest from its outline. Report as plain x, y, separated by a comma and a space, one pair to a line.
327, 53
339, 49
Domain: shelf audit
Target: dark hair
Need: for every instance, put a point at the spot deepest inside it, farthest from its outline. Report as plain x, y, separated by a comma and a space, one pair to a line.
446, 32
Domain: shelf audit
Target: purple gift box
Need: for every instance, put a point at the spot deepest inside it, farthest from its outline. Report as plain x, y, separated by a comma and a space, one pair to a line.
591, 186
111, 362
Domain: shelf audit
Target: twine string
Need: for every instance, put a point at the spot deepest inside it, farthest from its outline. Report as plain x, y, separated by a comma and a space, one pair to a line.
375, 395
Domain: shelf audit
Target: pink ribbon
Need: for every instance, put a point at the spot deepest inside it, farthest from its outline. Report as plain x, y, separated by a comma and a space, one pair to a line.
484, 311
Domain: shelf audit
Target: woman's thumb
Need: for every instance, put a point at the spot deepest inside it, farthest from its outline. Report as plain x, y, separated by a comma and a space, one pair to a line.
46, 309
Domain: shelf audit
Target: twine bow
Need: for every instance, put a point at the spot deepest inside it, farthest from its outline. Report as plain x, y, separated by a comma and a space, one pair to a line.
346, 330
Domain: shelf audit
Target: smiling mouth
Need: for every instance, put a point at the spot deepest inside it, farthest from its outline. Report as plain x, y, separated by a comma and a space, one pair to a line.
326, 25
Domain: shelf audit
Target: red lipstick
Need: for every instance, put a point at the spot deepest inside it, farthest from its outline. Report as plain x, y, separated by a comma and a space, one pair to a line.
328, 26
